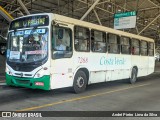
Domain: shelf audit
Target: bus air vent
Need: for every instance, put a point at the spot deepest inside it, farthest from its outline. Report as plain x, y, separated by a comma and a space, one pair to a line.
23, 81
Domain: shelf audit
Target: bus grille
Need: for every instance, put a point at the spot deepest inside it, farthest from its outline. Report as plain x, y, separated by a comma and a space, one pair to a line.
23, 81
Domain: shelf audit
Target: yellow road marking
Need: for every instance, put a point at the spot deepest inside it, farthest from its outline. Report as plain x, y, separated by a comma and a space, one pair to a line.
80, 98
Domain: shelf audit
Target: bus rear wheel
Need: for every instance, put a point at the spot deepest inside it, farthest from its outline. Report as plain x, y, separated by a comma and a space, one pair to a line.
133, 77
80, 82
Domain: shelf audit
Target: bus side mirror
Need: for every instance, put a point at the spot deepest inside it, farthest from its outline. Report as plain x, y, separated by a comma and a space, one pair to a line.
54, 23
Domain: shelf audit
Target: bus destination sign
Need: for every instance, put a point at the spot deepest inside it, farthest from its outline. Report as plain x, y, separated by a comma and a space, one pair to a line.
31, 21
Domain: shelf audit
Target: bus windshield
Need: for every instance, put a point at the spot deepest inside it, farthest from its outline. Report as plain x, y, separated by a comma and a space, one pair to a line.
28, 45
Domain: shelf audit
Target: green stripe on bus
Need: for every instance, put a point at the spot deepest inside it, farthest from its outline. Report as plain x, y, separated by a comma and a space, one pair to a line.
28, 82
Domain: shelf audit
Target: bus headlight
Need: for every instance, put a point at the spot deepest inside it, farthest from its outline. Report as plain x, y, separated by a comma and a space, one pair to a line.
8, 71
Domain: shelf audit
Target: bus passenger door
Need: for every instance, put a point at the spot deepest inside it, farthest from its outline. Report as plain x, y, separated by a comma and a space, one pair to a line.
62, 50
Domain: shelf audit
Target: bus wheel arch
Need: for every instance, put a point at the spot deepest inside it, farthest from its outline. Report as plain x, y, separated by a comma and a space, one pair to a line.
134, 73
80, 80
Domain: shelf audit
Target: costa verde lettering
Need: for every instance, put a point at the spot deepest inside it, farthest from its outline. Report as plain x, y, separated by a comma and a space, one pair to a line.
112, 61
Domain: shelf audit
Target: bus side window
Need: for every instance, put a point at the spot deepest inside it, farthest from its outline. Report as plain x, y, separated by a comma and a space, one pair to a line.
61, 42
135, 47
98, 40
144, 47
125, 45
81, 39
151, 49
133, 50
113, 43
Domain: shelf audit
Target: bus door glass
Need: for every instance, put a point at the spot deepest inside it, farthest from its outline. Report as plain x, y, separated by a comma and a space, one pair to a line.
61, 42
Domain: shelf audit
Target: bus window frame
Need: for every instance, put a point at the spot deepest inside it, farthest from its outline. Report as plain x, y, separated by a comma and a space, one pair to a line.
132, 47
88, 40
125, 45
93, 41
143, 47
118, 43
71, 42
151, 49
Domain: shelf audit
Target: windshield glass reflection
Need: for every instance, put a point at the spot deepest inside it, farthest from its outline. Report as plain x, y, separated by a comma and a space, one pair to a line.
28, 45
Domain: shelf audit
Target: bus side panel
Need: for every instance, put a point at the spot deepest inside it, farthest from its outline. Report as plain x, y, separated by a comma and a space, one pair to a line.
61, 73
143, 68
115, 64
97, 66
142, 63
151, 64
126, 67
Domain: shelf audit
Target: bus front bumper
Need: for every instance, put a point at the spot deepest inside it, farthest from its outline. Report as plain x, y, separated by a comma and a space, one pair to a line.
34, 83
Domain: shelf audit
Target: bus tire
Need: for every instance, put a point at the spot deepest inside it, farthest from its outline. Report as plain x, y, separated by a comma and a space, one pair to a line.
80, 82
133, 77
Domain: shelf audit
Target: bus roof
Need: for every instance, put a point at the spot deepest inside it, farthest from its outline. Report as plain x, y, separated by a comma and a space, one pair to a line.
73, 21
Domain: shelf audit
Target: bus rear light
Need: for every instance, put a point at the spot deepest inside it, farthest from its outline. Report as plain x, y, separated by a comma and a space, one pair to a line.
39, 83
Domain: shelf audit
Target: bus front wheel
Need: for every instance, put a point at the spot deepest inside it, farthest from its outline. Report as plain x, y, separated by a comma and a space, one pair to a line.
133, 77
80, 82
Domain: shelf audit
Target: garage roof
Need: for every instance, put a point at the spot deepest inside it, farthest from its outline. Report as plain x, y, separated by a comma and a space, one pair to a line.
148, 12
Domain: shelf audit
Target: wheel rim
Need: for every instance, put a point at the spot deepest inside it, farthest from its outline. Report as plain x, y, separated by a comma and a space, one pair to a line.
80, 82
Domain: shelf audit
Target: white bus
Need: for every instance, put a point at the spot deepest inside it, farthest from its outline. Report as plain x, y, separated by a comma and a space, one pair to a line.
49, 51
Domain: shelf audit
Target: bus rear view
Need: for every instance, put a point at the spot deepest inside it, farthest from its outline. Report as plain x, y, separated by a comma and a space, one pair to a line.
27, 54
